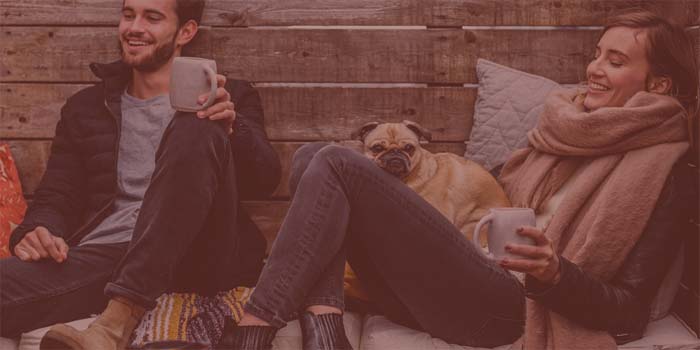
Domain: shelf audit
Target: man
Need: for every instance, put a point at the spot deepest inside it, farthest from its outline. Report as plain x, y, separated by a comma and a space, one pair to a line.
138, 200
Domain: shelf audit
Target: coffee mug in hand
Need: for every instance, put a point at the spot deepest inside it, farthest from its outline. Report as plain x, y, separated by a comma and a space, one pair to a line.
190, 78
503, 223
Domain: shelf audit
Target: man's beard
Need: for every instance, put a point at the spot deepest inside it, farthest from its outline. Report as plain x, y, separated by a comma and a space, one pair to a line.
154, 61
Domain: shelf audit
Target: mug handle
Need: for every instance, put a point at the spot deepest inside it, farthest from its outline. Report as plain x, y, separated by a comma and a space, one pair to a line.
477, 230
212, 79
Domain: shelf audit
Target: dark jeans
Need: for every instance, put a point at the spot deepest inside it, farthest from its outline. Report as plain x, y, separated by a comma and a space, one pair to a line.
416, 266
185, 239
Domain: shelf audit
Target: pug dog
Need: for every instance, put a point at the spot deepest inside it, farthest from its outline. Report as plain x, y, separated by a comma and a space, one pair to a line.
459, 188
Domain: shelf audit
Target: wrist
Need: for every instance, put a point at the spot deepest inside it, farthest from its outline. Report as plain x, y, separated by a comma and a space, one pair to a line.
556, 278
557, 272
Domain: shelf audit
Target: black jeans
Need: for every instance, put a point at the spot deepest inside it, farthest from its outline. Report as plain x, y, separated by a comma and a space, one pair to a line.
416, 266
186, 239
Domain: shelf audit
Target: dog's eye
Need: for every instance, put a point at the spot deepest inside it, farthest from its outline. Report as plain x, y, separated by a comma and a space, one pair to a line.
377, 148
408, 148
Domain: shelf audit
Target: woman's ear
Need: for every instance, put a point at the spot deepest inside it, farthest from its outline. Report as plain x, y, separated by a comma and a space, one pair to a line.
187, 32
659, 85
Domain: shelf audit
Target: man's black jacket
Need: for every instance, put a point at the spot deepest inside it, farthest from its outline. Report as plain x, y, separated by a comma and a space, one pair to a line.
80, 182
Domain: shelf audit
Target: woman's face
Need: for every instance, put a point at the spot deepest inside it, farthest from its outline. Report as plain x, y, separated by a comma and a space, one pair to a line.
619, 70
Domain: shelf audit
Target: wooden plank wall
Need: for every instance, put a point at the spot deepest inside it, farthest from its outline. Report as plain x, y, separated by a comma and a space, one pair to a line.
434, 13
322, 67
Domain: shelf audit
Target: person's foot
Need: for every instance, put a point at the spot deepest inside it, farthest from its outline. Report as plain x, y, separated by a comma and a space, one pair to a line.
323, 332
110, 331
248, 337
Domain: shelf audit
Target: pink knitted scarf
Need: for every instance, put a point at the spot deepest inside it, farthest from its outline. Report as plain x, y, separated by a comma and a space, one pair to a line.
630, 152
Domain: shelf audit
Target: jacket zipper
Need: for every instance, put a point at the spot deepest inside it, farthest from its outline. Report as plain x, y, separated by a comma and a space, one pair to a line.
78, 233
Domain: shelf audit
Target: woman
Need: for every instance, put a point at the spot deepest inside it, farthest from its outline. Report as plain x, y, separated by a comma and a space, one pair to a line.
603, 172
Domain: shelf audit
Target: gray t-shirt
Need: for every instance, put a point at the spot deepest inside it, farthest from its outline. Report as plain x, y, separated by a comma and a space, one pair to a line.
143, 124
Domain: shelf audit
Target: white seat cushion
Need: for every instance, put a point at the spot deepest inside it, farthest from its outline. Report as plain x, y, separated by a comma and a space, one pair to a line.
288, 338
8, 344
668, 332
31, 340
378, 333
381, 334
661, 305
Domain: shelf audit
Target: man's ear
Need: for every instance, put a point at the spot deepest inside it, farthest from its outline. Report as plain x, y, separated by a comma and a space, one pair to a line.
187, 32
659, 85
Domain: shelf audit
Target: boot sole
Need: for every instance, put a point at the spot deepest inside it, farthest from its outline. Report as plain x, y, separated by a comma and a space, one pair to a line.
57, 341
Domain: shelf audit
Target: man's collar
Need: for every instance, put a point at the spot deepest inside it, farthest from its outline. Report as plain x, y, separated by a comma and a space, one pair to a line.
114, 70
115, 75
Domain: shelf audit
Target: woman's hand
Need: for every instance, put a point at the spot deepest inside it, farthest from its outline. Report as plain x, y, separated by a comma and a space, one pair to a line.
541, 262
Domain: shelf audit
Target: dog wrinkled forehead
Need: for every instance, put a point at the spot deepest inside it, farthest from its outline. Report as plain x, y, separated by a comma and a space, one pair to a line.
392, 133
407, 131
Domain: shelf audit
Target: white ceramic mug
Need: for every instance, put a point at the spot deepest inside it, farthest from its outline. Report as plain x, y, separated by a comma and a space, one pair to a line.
190, 78
503, 223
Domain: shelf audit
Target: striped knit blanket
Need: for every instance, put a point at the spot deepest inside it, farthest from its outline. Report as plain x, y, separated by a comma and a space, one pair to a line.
189, 317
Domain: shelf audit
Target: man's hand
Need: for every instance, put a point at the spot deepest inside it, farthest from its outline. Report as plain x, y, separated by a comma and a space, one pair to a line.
41, 244
541, 261
222, 109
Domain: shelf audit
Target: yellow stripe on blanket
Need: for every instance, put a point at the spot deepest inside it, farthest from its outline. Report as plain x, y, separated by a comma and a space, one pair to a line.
190, 317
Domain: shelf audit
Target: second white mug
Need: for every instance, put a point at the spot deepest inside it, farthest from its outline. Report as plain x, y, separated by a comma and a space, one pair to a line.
503, 223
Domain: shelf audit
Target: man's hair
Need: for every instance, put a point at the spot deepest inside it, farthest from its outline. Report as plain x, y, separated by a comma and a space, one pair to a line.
189, 10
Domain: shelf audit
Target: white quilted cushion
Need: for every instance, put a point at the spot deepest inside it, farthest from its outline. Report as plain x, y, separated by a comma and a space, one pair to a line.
382, 334
288, 338
508, 104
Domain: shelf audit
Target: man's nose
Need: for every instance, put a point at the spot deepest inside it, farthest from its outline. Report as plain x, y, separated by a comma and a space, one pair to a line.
137, 25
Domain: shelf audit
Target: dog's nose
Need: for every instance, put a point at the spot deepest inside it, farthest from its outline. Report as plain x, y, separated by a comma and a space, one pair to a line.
396, 166
395, 162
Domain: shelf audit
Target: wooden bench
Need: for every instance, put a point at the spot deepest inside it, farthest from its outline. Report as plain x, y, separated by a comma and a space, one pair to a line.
322, 69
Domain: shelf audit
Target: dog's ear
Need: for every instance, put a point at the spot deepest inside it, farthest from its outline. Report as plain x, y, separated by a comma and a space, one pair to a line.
419, 130
360, 133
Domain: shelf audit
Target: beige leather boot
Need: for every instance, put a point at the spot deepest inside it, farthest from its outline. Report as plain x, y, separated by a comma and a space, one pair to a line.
110, 331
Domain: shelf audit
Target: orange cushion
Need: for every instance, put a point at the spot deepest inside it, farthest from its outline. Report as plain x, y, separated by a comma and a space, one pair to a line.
12, 203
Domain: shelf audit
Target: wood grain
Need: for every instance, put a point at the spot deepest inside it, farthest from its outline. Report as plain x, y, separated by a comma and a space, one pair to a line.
334, 113
268, 216
356, 12
62, 54
30, 158
291, 113
32, 110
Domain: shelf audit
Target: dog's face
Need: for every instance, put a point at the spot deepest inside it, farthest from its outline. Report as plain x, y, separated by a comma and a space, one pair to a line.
394, 147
